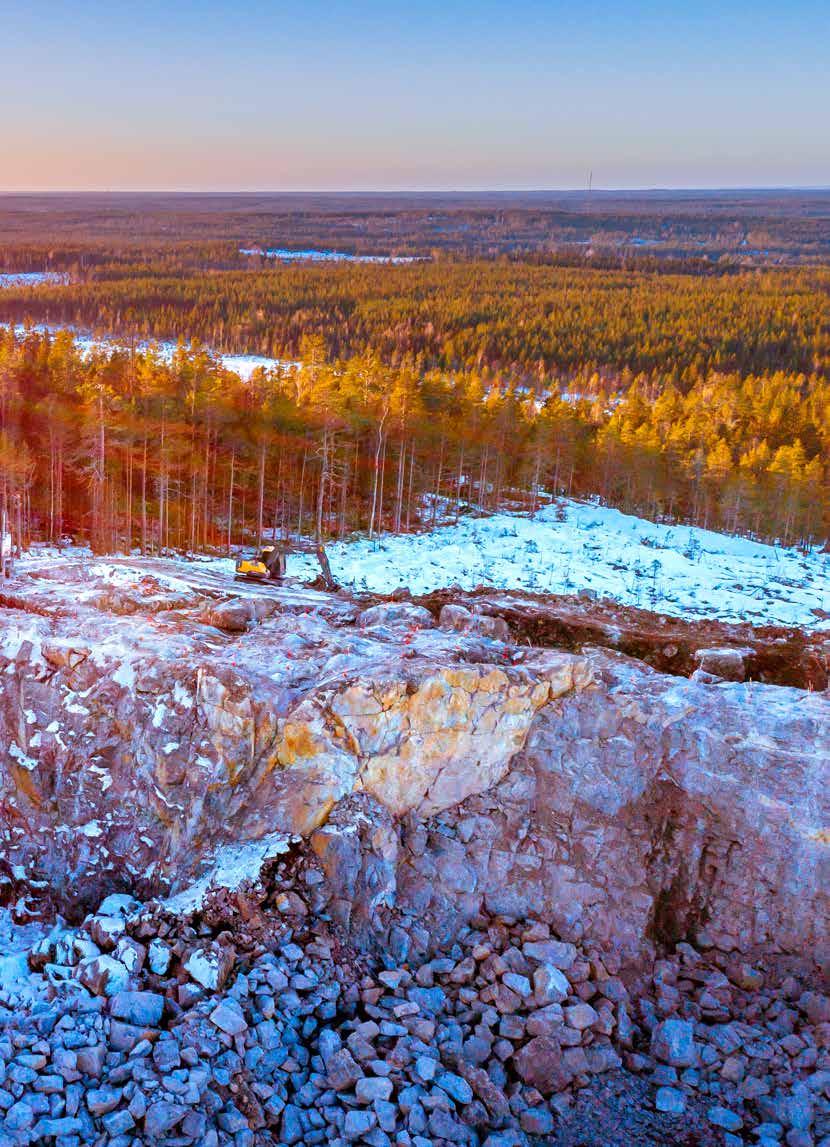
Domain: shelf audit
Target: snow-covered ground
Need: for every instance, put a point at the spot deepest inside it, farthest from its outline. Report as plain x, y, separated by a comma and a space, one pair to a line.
242, 364
678, 570
285, 255
10, 279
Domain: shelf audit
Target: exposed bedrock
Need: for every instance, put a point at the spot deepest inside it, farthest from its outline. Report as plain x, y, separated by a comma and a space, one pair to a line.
773, 654
617, 803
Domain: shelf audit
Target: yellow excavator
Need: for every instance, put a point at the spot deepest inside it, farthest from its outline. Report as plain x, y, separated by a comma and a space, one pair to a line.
268, 565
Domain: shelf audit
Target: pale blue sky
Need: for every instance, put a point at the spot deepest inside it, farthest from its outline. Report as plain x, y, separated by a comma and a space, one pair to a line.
338, 95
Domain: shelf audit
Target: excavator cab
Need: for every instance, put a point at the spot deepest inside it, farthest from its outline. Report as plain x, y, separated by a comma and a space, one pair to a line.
268, 565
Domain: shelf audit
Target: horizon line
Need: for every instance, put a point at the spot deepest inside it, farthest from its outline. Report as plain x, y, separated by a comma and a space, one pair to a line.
448, 190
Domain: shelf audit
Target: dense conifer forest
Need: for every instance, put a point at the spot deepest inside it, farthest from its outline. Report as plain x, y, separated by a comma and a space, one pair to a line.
676, 387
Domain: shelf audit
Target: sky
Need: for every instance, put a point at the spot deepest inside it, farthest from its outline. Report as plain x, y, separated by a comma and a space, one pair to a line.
430, 94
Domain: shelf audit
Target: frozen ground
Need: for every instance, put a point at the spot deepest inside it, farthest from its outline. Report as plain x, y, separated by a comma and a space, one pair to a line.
242, 364
678, 570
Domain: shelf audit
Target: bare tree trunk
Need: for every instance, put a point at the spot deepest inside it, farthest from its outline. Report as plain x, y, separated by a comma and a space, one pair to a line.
261, 497
144, 500
321, 490
162, 482
230, 501
206, 502
52, 461
59, 507
534, 497
130, 468
344, 495
322, 558
382, 485
396, 521
458, 483
438, 482
412, 478
379, 444
302, 497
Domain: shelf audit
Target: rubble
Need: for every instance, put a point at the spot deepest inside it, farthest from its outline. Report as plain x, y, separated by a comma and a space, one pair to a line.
310, 1040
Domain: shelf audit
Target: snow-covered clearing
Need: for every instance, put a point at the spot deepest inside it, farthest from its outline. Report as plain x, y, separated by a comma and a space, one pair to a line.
242, 364
10, 279
680, 570
285, 255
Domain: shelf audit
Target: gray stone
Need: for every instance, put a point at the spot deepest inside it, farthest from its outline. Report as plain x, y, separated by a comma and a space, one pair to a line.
358, 1123
118, 1123
550, 986
537, 1121
371, 1088
162, 1116
670, 1100
90, 1060
555, 952
724, 1118
673, 1042
100, 1100
540, 1065
55, 1128
342, 1070
425, 1068
228, 1017
456, 1087
291, 1126
517, 983
580, 1016
158, 957
210, 967
144, 1009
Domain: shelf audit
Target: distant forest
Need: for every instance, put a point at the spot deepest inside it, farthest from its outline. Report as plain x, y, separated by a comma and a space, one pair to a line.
674, 386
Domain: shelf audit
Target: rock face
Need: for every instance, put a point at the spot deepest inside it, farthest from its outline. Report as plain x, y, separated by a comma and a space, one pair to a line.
771, 654
649, 807
619, 804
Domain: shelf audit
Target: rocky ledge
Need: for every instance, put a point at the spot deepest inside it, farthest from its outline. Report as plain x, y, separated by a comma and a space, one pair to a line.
371, 844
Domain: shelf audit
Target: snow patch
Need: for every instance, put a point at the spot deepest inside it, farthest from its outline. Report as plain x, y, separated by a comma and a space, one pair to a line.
17, 754
88, 345
9, 279
680, 570
285, 255
234, 865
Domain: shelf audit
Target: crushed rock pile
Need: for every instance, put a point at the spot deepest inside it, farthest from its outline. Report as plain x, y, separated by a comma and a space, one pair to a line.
253, 1021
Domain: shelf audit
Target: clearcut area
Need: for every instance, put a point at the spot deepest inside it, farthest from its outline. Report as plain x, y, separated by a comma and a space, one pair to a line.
564, 548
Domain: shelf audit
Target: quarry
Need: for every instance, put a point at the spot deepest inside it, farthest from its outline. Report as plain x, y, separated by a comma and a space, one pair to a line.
289, 866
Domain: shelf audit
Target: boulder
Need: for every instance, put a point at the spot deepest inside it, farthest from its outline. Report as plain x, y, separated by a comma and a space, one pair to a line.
143, 1009
396, 615
728, 664
539, 1064
673, 1042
